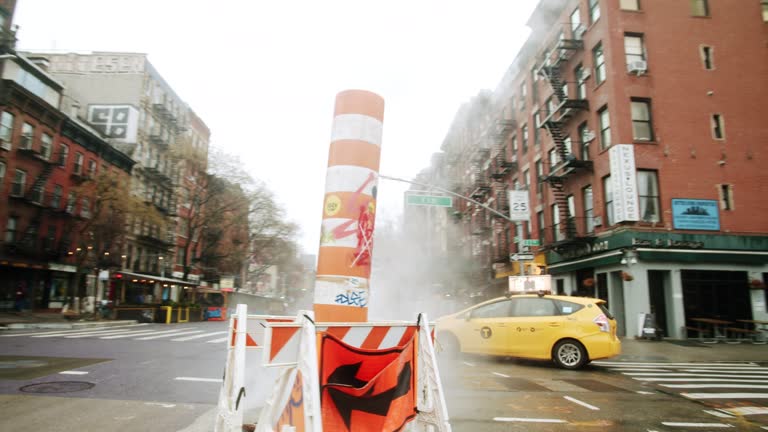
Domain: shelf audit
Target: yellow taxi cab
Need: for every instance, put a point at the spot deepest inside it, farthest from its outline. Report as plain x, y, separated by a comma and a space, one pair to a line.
571, 331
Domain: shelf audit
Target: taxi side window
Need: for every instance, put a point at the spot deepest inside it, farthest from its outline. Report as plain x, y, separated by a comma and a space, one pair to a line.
499, 309
567, 308
527, 307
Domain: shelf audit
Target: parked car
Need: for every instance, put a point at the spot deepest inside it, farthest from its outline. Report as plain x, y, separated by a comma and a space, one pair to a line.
571, 331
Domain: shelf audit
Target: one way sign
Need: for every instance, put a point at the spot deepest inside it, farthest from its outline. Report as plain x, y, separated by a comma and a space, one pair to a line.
521, 257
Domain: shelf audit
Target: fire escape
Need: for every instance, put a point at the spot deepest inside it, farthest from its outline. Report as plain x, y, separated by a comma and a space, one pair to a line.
556, 118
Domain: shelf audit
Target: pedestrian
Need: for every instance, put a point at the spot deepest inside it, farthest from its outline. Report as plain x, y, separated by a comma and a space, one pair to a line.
20, 298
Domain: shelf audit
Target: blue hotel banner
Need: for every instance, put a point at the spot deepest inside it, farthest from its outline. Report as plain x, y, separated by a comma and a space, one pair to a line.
696, 214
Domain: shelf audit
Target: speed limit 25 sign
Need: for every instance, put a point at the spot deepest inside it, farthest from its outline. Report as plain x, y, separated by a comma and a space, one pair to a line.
519, 206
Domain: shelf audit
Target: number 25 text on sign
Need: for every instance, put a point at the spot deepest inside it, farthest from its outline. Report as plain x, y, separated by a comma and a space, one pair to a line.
519, 208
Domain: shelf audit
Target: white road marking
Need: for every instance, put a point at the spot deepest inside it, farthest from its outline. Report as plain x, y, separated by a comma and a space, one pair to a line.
739, 371
701, 380
213, 380
641, 370
725, 395
527, 420
641, 374
101, 333
718, 414
500, 374
469, 364
701, 425
619, 364
65, 332
742, 411
219, 340
164, 405
177, 333
198, 336
73, 373
644, 392
584, 404
142, 333
753, 386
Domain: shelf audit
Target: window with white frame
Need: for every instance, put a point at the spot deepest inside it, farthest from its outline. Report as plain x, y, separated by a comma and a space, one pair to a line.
608, 195
58, 192
718, 127
629, 4
541, 225
46, 144
553, 159
700, 8
648, 195
19, 183
6, 129
91, 168
2, 175
581, 82
85, 208
605, 127
584, 138
598, 59
642, 128
568, 145
539, 174
576, 23
71, 201
634, 48
11, 228
27, 136
594, 10
707, 54
589, 211
523, 95
764, 5
78, 163
63, 154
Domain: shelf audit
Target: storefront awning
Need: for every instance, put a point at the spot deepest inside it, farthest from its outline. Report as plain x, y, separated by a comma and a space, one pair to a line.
607, 258
694, 256
158, 278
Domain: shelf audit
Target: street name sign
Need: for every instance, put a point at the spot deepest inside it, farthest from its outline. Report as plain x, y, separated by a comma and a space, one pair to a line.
531, 242
429, 200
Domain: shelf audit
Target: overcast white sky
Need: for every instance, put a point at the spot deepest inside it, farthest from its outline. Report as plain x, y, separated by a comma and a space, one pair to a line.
263, 75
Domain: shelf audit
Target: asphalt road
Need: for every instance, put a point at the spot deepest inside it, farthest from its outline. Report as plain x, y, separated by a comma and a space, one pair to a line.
166, 378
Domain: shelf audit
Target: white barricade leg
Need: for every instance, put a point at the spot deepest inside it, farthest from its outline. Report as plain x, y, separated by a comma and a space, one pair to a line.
433, 413
229, 417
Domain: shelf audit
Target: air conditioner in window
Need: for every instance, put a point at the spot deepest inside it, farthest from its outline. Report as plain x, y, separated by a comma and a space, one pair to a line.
597, 221
589, 136
637, 66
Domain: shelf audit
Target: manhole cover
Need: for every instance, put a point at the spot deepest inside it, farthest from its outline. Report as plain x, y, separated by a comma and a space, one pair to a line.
57, 387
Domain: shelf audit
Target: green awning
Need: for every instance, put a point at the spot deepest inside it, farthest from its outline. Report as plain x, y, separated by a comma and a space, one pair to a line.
704, 257
595, 261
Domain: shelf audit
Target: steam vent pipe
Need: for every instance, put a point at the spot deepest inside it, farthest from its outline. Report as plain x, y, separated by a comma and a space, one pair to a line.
342, 285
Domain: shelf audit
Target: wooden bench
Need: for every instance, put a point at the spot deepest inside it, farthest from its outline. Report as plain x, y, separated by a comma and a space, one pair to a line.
740, 332
699, 331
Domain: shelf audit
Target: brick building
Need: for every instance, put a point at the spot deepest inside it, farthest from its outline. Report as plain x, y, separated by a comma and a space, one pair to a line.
636, 129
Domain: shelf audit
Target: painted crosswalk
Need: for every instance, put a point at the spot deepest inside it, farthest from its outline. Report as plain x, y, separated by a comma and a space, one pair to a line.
140, 332
732, 388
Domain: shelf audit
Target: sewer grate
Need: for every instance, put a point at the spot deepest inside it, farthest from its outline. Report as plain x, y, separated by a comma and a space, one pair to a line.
57, 387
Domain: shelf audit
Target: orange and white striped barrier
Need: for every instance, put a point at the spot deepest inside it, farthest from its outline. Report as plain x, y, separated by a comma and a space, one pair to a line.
349, 208
229, 416
255, 329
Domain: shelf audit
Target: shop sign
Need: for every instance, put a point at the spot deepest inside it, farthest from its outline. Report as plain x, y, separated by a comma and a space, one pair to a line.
62, 268
668, 243
624, 183
696, 214
587, 249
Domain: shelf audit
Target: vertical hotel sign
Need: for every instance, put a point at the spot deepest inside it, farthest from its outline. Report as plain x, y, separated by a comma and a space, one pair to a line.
624, 183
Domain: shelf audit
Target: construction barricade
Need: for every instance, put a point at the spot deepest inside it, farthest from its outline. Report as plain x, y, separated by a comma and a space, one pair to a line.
338, 376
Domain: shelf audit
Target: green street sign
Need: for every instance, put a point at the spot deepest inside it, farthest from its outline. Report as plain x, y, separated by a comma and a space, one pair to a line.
429, 200
531, 242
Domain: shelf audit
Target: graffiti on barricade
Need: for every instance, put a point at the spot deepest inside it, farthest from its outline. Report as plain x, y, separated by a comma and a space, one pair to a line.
353, 298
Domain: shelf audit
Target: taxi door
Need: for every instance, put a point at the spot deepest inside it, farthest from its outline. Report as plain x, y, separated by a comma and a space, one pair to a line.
535, 325
487, 329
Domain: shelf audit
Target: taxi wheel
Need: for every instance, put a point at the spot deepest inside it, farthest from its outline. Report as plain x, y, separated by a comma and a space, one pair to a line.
569, 354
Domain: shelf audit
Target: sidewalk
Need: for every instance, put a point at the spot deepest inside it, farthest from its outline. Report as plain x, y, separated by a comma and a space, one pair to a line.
640, 350
51, 320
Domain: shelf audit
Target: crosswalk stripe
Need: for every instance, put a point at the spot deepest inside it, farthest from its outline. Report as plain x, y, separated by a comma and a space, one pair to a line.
198, 336
638, 374
754, 386
177, 333
744, 411
101, 333
81, 333
761, 371
224, 339
725, 395
141, 333
701, 425
699, 380
64, 332
608, 363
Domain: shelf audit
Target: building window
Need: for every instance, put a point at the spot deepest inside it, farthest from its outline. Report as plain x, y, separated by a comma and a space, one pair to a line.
27, 136
576, 29
534, 86
700, 8
642, 128
707, 57
6, 130
540, 222
2, 174
524, 133
765, 10
648, 194
58, 191
78, 163
523, 95
71, 200
581, 82
85, 208
91, 168
589, 211
536, 127
599, 61
629, 4
585, 139
594, 10
726, 196
10, 229
539, 174
634, 48
605, 128
718, 127
50, 238
527, 179
63, 154
46, 144
608, 192
568, 145
19, 183
553, 159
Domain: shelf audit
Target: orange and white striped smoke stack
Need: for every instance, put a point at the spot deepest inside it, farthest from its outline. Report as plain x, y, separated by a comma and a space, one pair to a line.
342, 285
